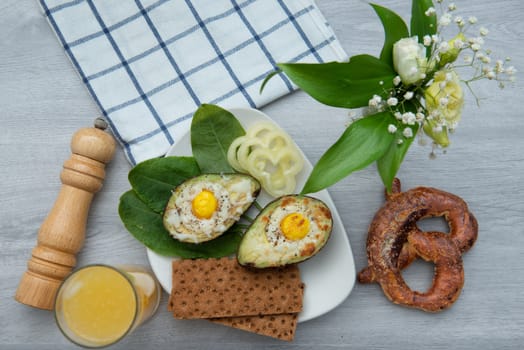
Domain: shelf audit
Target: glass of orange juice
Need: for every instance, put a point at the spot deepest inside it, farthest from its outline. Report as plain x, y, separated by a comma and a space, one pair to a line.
97, 305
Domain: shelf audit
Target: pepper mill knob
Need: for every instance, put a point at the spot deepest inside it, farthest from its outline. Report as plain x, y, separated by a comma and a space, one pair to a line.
62, 233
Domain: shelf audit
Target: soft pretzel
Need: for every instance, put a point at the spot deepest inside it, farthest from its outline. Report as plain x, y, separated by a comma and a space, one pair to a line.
394, 241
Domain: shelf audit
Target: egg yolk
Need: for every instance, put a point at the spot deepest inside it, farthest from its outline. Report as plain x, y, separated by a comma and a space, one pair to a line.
204, 204
294, 226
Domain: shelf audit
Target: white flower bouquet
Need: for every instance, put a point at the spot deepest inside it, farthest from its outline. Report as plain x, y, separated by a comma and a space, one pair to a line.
413, 88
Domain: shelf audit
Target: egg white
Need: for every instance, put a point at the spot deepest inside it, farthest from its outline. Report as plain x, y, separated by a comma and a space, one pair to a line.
282, 246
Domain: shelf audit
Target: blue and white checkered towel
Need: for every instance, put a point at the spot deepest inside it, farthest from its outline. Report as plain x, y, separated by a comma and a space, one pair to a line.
149, 64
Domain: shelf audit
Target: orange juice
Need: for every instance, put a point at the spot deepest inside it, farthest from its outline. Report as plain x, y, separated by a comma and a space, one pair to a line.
98, 305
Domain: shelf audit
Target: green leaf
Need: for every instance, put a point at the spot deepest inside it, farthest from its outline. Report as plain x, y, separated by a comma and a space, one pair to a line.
348, 85
394, 28
213, 129
147, 227
267, 78
363, 142
421, 24
154, 179
389, 164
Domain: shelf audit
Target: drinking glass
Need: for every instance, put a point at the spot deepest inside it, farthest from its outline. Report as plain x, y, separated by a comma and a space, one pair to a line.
98, 305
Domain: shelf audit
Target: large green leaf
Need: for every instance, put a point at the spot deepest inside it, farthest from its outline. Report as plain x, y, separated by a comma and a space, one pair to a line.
147, 227
154, 179
348, 85
213, 129
421, 24
389, 164
394, 28
363, 142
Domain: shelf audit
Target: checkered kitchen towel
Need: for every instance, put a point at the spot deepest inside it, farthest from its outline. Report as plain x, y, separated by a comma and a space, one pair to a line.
149, 64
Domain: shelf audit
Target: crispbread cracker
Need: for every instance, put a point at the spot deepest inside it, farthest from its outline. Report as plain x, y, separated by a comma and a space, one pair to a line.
213, 288
277, 326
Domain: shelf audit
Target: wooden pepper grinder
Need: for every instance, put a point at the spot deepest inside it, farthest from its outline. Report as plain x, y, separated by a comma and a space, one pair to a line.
62, 233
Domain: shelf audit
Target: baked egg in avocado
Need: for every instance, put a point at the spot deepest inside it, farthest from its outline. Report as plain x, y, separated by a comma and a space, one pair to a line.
288, 230
204, 207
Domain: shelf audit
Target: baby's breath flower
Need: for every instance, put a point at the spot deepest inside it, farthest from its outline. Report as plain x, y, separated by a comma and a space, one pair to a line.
430, 11
427, 40
445, 20
396, 80
409, 118
407, 132
392, 101
397, 115
472, 20
460, 21
375, 101
483, 31
452, 6
485, 59
392, 129
499, 66
408, 95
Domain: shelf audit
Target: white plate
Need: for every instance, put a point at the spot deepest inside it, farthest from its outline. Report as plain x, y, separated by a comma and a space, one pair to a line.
329, 276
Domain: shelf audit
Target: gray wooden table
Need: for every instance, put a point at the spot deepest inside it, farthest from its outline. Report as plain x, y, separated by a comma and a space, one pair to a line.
42, 102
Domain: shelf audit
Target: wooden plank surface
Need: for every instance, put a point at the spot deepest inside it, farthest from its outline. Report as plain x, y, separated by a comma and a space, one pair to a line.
42, 103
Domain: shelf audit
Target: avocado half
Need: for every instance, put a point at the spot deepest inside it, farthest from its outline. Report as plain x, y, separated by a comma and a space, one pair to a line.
234, 193
266, 244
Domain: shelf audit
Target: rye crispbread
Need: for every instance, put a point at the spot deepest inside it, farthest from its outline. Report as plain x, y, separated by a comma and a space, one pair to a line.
212, 288
276, 326
263, 301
